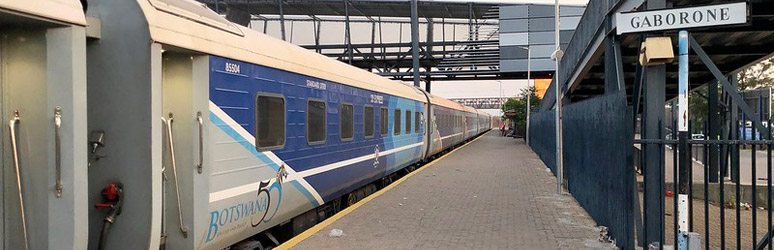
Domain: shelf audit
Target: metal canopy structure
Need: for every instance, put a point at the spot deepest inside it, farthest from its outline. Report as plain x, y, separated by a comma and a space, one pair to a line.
730, 48
370, 8
472, 56
482, 102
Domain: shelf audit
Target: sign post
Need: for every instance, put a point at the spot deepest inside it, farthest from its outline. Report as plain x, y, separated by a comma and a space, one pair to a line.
684, 161
681, 18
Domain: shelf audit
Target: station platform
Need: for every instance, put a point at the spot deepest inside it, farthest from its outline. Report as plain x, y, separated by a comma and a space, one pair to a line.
493, 193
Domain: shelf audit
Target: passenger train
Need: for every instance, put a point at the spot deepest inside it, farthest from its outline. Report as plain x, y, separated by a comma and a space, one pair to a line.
158, 124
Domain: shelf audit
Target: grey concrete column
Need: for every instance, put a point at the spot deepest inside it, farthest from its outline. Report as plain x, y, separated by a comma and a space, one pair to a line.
653, 167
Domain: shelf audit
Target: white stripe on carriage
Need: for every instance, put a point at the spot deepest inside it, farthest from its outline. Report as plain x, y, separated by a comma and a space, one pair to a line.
233, 192
452, 135
251, 139
252, 187
335, 165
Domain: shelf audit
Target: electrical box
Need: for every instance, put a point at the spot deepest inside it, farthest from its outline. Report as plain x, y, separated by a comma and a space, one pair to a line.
656, 51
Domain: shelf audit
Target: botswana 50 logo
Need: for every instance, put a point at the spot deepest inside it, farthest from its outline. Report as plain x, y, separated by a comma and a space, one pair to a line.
260, 209
264, 194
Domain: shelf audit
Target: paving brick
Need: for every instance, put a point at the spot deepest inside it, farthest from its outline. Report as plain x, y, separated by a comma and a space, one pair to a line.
491, 194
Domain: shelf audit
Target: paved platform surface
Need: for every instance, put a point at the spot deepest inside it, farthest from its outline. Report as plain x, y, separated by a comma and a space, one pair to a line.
492, 194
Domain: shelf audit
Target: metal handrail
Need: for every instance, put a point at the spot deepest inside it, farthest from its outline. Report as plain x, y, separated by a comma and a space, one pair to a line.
201, 141
12, 126
171, 143
58, 148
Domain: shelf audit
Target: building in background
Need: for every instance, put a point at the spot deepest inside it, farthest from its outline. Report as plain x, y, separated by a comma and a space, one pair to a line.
532, 26
541, 85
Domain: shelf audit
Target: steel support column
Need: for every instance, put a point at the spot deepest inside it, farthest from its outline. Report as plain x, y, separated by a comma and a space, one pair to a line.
282, 18
714, 129
317, 36
470, 21
725, 130
428, 80
373, 37
639, 78
347, 34
734, 131
429, 52
613, 62
415, 41
653, 169
443, 35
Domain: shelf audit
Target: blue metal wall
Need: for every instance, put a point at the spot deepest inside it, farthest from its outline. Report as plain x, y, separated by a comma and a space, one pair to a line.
543, 137
597, 169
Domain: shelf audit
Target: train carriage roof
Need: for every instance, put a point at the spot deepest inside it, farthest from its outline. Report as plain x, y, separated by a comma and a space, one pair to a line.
67, 11
440, 101
191, 25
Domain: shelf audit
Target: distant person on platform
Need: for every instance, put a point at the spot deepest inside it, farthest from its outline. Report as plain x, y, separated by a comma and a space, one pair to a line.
503, 129
512, 129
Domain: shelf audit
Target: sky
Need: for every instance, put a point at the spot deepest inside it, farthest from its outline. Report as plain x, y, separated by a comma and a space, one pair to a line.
301, 33
474, 89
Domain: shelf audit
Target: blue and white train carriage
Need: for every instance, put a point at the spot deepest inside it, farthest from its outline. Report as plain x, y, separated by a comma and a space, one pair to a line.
201, 133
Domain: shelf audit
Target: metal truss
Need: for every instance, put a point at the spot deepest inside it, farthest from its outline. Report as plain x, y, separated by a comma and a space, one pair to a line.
467, 57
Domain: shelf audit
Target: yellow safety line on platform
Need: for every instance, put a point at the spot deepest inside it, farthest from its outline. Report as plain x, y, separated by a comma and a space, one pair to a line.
309, 232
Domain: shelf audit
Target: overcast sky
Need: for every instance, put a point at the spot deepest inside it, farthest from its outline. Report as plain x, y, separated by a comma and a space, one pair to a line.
333, 33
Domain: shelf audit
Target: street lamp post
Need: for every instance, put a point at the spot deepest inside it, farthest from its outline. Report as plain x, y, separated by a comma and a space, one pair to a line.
557, 56
501, 89
529, 95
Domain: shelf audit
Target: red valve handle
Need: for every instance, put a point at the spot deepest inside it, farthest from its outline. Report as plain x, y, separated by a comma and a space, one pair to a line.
102, 205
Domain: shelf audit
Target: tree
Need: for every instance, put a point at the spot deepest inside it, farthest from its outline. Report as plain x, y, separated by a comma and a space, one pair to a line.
698, 107
759, 75
519, 106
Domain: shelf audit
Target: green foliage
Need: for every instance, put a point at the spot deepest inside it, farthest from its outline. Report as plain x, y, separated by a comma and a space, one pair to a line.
518, 105
759, 75
698, 107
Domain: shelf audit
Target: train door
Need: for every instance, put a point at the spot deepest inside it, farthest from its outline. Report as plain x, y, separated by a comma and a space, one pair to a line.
185, 185
43, 112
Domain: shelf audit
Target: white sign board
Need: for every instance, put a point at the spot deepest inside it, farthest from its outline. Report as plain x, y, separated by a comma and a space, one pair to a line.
681, 18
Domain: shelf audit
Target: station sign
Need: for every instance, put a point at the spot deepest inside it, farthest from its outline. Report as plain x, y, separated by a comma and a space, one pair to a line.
682, 18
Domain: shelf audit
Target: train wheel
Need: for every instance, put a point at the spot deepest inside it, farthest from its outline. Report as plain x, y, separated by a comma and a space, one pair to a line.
351, 199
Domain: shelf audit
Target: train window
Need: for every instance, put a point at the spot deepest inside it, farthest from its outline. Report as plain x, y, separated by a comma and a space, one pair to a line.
346, 121
383, 122
368, 121
408, 122
315, 121
396, 123
270, 121
417, 118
